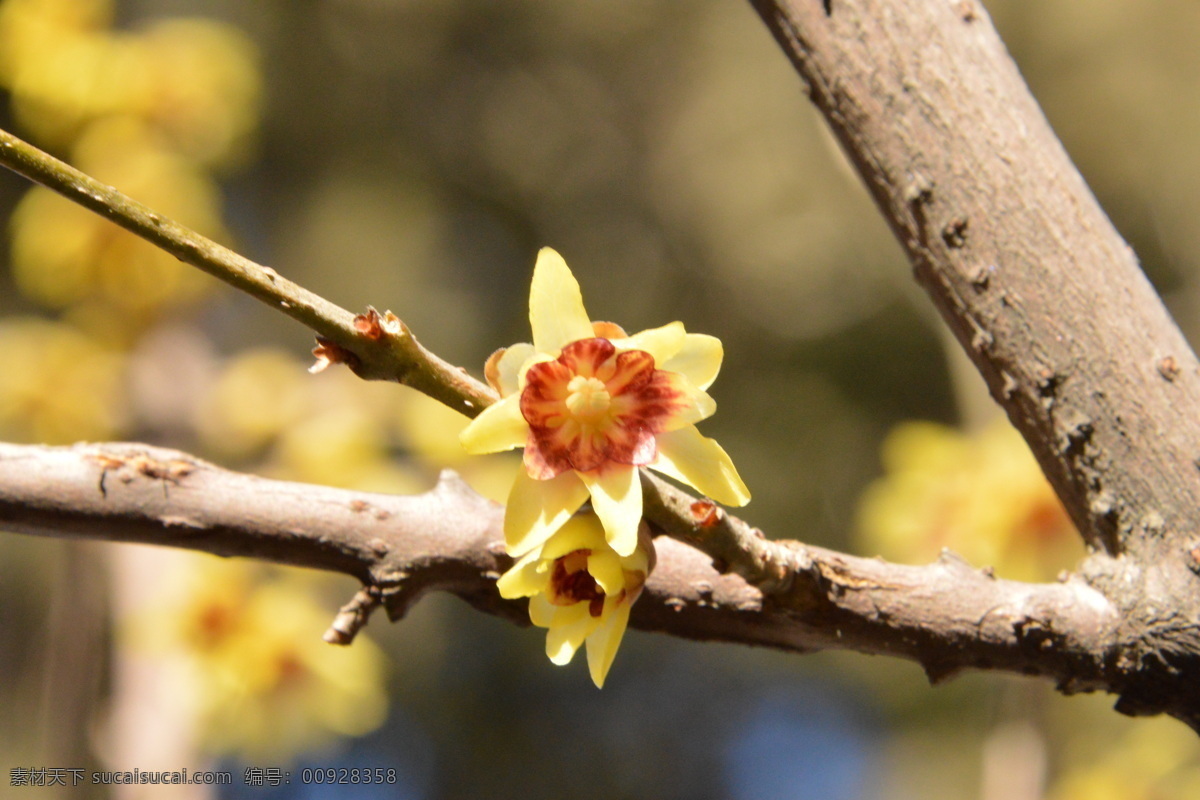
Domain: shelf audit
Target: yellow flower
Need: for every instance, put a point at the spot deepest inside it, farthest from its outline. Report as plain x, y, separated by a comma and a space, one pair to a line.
590, 405
581, 590
59, 386
982, 495
263, 684
64, 256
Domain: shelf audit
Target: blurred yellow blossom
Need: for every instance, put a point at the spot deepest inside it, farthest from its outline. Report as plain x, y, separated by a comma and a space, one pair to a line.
1154, 759
58, 386
590, 405
78, 77
148, 111
197, 81
982, 495
205, 89
334, 429
342, 446
431, 432
267, 688
64, 254
32, 31
581, 590
258, 393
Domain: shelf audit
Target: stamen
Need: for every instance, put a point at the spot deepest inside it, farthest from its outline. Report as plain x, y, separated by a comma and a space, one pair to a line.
588, 399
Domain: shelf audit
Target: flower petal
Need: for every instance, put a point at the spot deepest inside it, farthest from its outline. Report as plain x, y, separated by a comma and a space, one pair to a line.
536, 509
523, 369
616, 493
700, 462
675, 402
604, 565
569, 627
699, 360
605, 639
580, 532
541, 611
662, 343
608, 330
556, 312
503, 368
640, 561
498, 427
524, 579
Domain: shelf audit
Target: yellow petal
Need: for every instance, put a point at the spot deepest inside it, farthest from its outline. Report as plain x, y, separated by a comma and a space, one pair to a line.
580, 532
617, 498
605, 566
662, 343
523, 370
500, 426
556, 312
536, 509
603, 643
569, 627
699, 360
700, 462
508, 368
698, 406
524, 579
541, 611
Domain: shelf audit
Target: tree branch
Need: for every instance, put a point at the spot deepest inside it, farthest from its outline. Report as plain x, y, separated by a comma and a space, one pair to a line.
1039, 289
946, 616
375, 347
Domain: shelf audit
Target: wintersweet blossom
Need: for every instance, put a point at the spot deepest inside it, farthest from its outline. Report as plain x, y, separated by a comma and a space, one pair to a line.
240, 648
581, 590
590, 404
929, 499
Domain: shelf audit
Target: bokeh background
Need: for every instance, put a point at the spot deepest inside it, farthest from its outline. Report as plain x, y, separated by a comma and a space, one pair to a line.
414, 155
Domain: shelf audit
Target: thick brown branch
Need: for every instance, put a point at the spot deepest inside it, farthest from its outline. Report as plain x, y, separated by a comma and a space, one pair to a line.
1012, 246
947, 616
1037, 285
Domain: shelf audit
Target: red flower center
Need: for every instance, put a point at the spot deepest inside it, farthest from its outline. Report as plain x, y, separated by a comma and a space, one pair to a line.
594, 406
571, 583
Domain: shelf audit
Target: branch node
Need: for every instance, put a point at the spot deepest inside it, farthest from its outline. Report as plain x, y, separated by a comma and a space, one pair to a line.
399, 597
374, 326
950, 558
939, 672
328, 352
1168, 367
451, 485
354, 616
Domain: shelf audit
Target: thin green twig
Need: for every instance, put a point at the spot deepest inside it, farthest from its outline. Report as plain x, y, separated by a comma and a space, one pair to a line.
373, 351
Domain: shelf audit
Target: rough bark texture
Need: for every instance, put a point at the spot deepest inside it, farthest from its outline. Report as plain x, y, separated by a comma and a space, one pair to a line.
946, 616
1040, 290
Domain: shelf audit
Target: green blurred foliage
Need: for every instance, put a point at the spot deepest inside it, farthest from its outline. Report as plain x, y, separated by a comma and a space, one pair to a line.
414, 155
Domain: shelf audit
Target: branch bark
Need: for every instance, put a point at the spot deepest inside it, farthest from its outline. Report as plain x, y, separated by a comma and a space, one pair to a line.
946, 616
1039, 289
